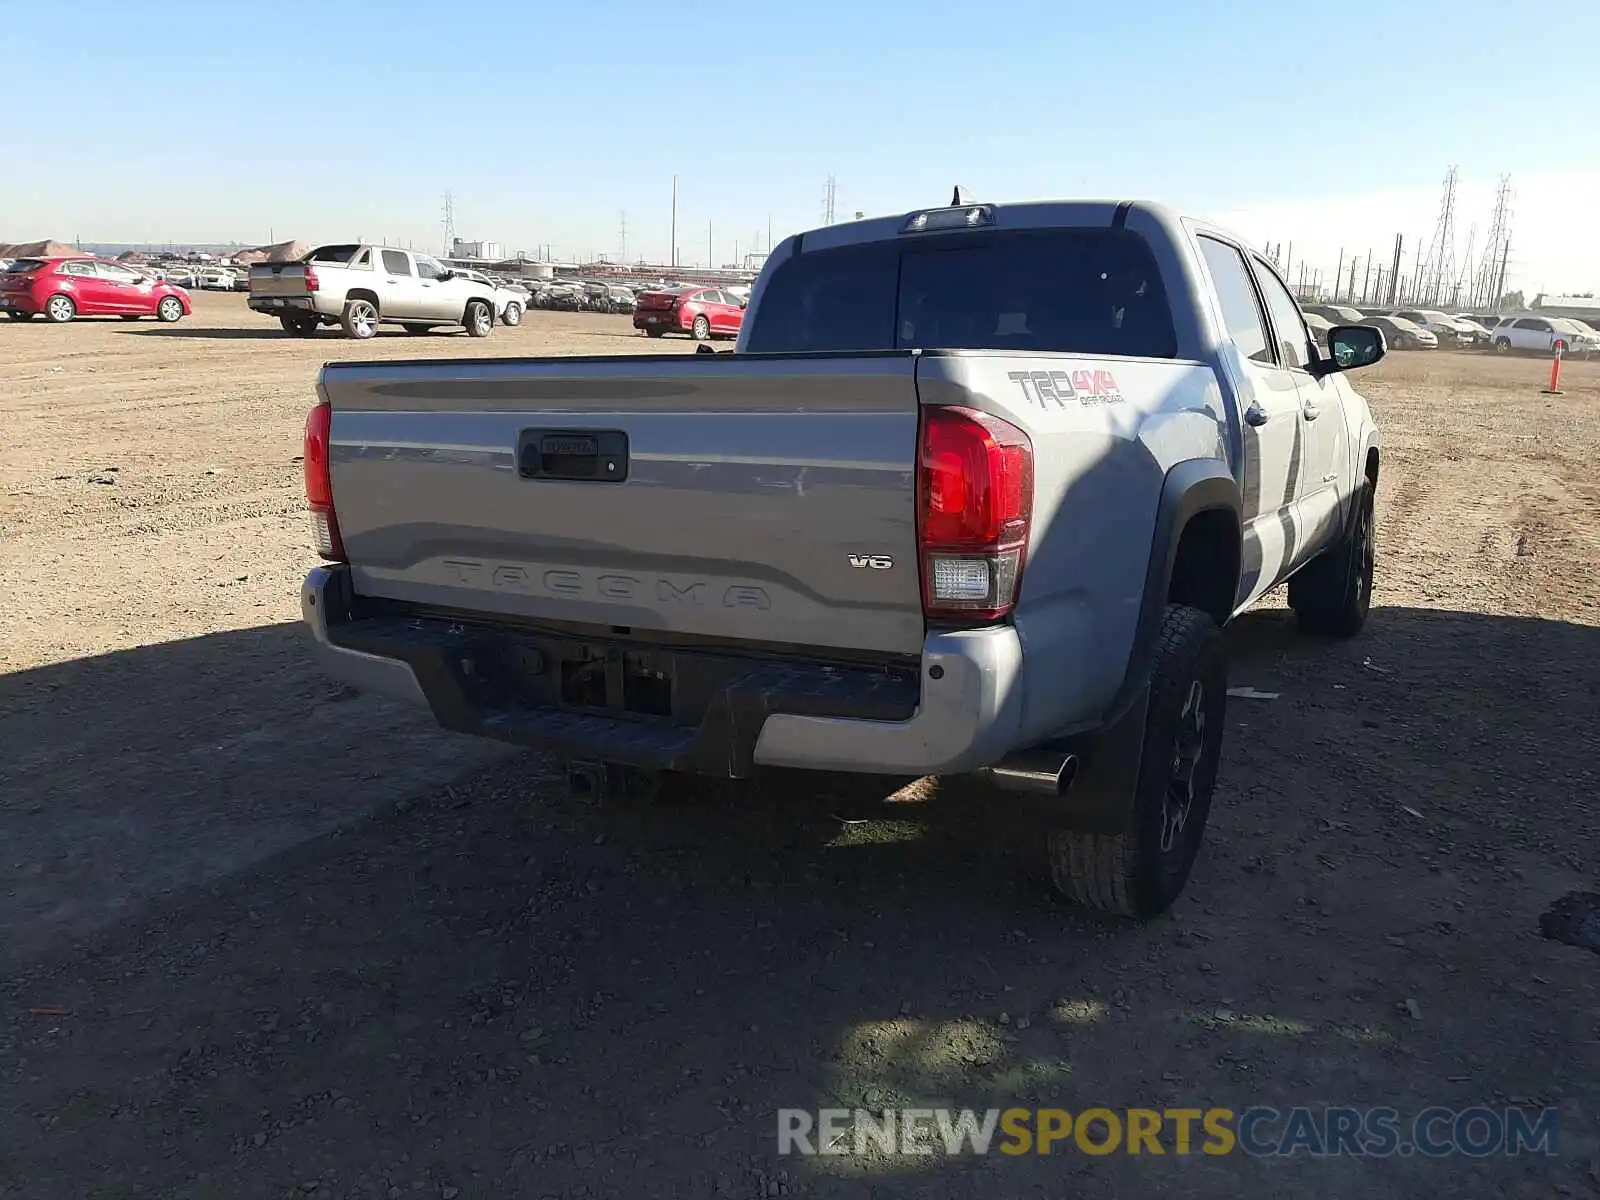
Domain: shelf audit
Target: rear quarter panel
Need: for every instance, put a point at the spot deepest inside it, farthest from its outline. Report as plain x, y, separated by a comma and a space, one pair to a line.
1105, 433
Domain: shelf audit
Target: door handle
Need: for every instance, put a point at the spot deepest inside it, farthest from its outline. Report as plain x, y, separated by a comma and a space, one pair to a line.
1255, 415
1311, 412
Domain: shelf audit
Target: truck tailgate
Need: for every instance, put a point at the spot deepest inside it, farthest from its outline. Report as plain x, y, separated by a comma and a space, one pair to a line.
278, 279
767, 499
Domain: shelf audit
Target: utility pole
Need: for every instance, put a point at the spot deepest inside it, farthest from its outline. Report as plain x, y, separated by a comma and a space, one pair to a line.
1288, 259
622, 252
828, 193
674, 220
711, 258
769, 233
1500, 285
1366, 280
1394, 272
449, 224
1338, 275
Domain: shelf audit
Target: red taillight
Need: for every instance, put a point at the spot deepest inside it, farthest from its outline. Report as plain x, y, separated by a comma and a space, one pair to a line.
319, 483
974, 509
311, 278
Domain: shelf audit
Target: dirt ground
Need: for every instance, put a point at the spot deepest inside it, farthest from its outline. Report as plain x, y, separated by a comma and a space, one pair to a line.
263, 938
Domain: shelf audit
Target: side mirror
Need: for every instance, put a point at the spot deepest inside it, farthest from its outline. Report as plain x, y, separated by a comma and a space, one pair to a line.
1351, 347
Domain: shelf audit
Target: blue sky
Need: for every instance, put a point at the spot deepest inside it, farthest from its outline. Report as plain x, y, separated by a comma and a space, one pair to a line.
1330, 126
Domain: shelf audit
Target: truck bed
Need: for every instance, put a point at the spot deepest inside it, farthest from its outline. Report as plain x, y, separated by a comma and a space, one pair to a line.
753, 498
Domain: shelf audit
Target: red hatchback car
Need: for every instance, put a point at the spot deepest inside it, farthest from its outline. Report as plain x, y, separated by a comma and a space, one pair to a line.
64, 288
702, 313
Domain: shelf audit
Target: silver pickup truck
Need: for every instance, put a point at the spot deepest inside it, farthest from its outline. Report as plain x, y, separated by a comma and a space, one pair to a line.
975, 492
360, 287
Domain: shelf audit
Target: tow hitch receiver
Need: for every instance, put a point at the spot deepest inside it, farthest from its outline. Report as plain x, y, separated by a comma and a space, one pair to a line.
610, 783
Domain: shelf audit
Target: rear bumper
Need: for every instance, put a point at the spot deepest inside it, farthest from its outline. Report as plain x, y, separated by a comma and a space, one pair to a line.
18, 302
656, 318
283, 305
957, 710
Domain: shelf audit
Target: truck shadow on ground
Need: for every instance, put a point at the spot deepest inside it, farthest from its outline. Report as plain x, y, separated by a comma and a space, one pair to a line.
267, 333
485, 985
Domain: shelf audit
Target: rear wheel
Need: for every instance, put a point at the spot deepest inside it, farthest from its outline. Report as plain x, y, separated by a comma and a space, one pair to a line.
360, 319
479, 318
1332, 593
1141, 871
60, 309
1502, 345
298, 326
512, 315
701, 330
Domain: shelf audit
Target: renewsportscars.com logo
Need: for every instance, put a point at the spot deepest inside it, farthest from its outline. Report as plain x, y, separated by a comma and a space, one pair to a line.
1260, 1131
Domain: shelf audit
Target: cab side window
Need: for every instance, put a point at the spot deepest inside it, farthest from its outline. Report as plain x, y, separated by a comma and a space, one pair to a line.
1288, 326
1241, 311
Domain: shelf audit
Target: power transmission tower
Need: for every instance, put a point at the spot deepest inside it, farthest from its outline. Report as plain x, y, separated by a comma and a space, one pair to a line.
1487, 287
622, 250
449, 224
828, 193
1440, 266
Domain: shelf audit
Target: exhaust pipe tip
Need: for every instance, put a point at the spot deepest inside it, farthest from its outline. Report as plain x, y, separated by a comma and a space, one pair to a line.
1039, 772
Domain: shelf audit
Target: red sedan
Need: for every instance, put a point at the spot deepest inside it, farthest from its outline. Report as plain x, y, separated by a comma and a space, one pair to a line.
702, 313
64, 288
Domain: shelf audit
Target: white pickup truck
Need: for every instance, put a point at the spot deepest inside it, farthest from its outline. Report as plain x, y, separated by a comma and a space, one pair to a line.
360, 287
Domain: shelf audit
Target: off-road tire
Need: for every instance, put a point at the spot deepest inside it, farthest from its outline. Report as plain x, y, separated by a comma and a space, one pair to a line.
360, 319
478, 318
1133, 874
1332, 593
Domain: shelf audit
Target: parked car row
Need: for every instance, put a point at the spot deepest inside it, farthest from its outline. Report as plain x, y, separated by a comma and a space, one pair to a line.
1430, 328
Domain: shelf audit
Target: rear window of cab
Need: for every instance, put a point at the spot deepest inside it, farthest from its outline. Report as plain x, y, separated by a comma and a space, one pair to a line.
1081, 290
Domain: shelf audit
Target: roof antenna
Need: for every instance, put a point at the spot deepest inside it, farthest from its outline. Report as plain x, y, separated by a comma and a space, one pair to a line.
960, 199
